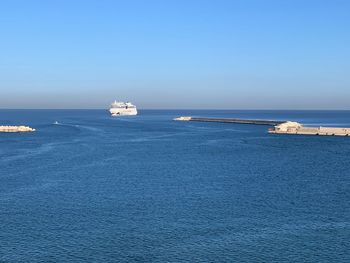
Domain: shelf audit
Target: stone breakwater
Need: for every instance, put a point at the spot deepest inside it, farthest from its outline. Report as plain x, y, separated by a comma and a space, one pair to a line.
230, 120
280, 127
16, 129
290, 127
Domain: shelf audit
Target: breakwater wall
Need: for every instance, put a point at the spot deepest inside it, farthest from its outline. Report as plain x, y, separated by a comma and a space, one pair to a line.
231, 120
322, 131
290, 127
279, 127
16, 129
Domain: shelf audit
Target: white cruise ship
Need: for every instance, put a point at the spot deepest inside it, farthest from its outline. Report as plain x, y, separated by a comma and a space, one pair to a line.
121, 108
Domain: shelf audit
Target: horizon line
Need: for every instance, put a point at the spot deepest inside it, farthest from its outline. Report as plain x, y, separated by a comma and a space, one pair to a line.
208, 109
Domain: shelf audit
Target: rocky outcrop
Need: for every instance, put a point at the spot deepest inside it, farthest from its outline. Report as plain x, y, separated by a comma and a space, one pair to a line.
16, 129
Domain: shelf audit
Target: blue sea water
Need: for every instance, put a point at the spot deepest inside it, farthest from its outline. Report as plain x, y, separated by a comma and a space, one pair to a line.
93, 188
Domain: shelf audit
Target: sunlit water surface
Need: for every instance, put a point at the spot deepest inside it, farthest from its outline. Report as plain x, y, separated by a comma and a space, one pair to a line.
93, 188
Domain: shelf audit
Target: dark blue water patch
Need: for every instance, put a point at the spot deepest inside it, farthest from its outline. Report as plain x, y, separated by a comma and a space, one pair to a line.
148, 189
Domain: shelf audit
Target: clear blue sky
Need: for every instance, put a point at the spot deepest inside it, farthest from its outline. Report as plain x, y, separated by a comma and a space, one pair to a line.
262, 54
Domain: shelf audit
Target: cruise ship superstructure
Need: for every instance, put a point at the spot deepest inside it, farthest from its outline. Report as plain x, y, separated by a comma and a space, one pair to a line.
119, 108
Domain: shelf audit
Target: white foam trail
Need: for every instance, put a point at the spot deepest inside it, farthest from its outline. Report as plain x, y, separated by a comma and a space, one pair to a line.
44, 148
90, 128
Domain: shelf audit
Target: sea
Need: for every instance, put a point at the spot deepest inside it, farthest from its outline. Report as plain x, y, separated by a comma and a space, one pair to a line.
87, 187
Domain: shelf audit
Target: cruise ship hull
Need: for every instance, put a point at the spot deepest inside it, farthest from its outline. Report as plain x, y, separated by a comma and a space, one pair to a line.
123, 112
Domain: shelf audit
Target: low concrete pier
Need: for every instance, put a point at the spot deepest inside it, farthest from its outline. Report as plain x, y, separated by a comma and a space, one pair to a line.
16, 129
280, 127
298, 129
231, 120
